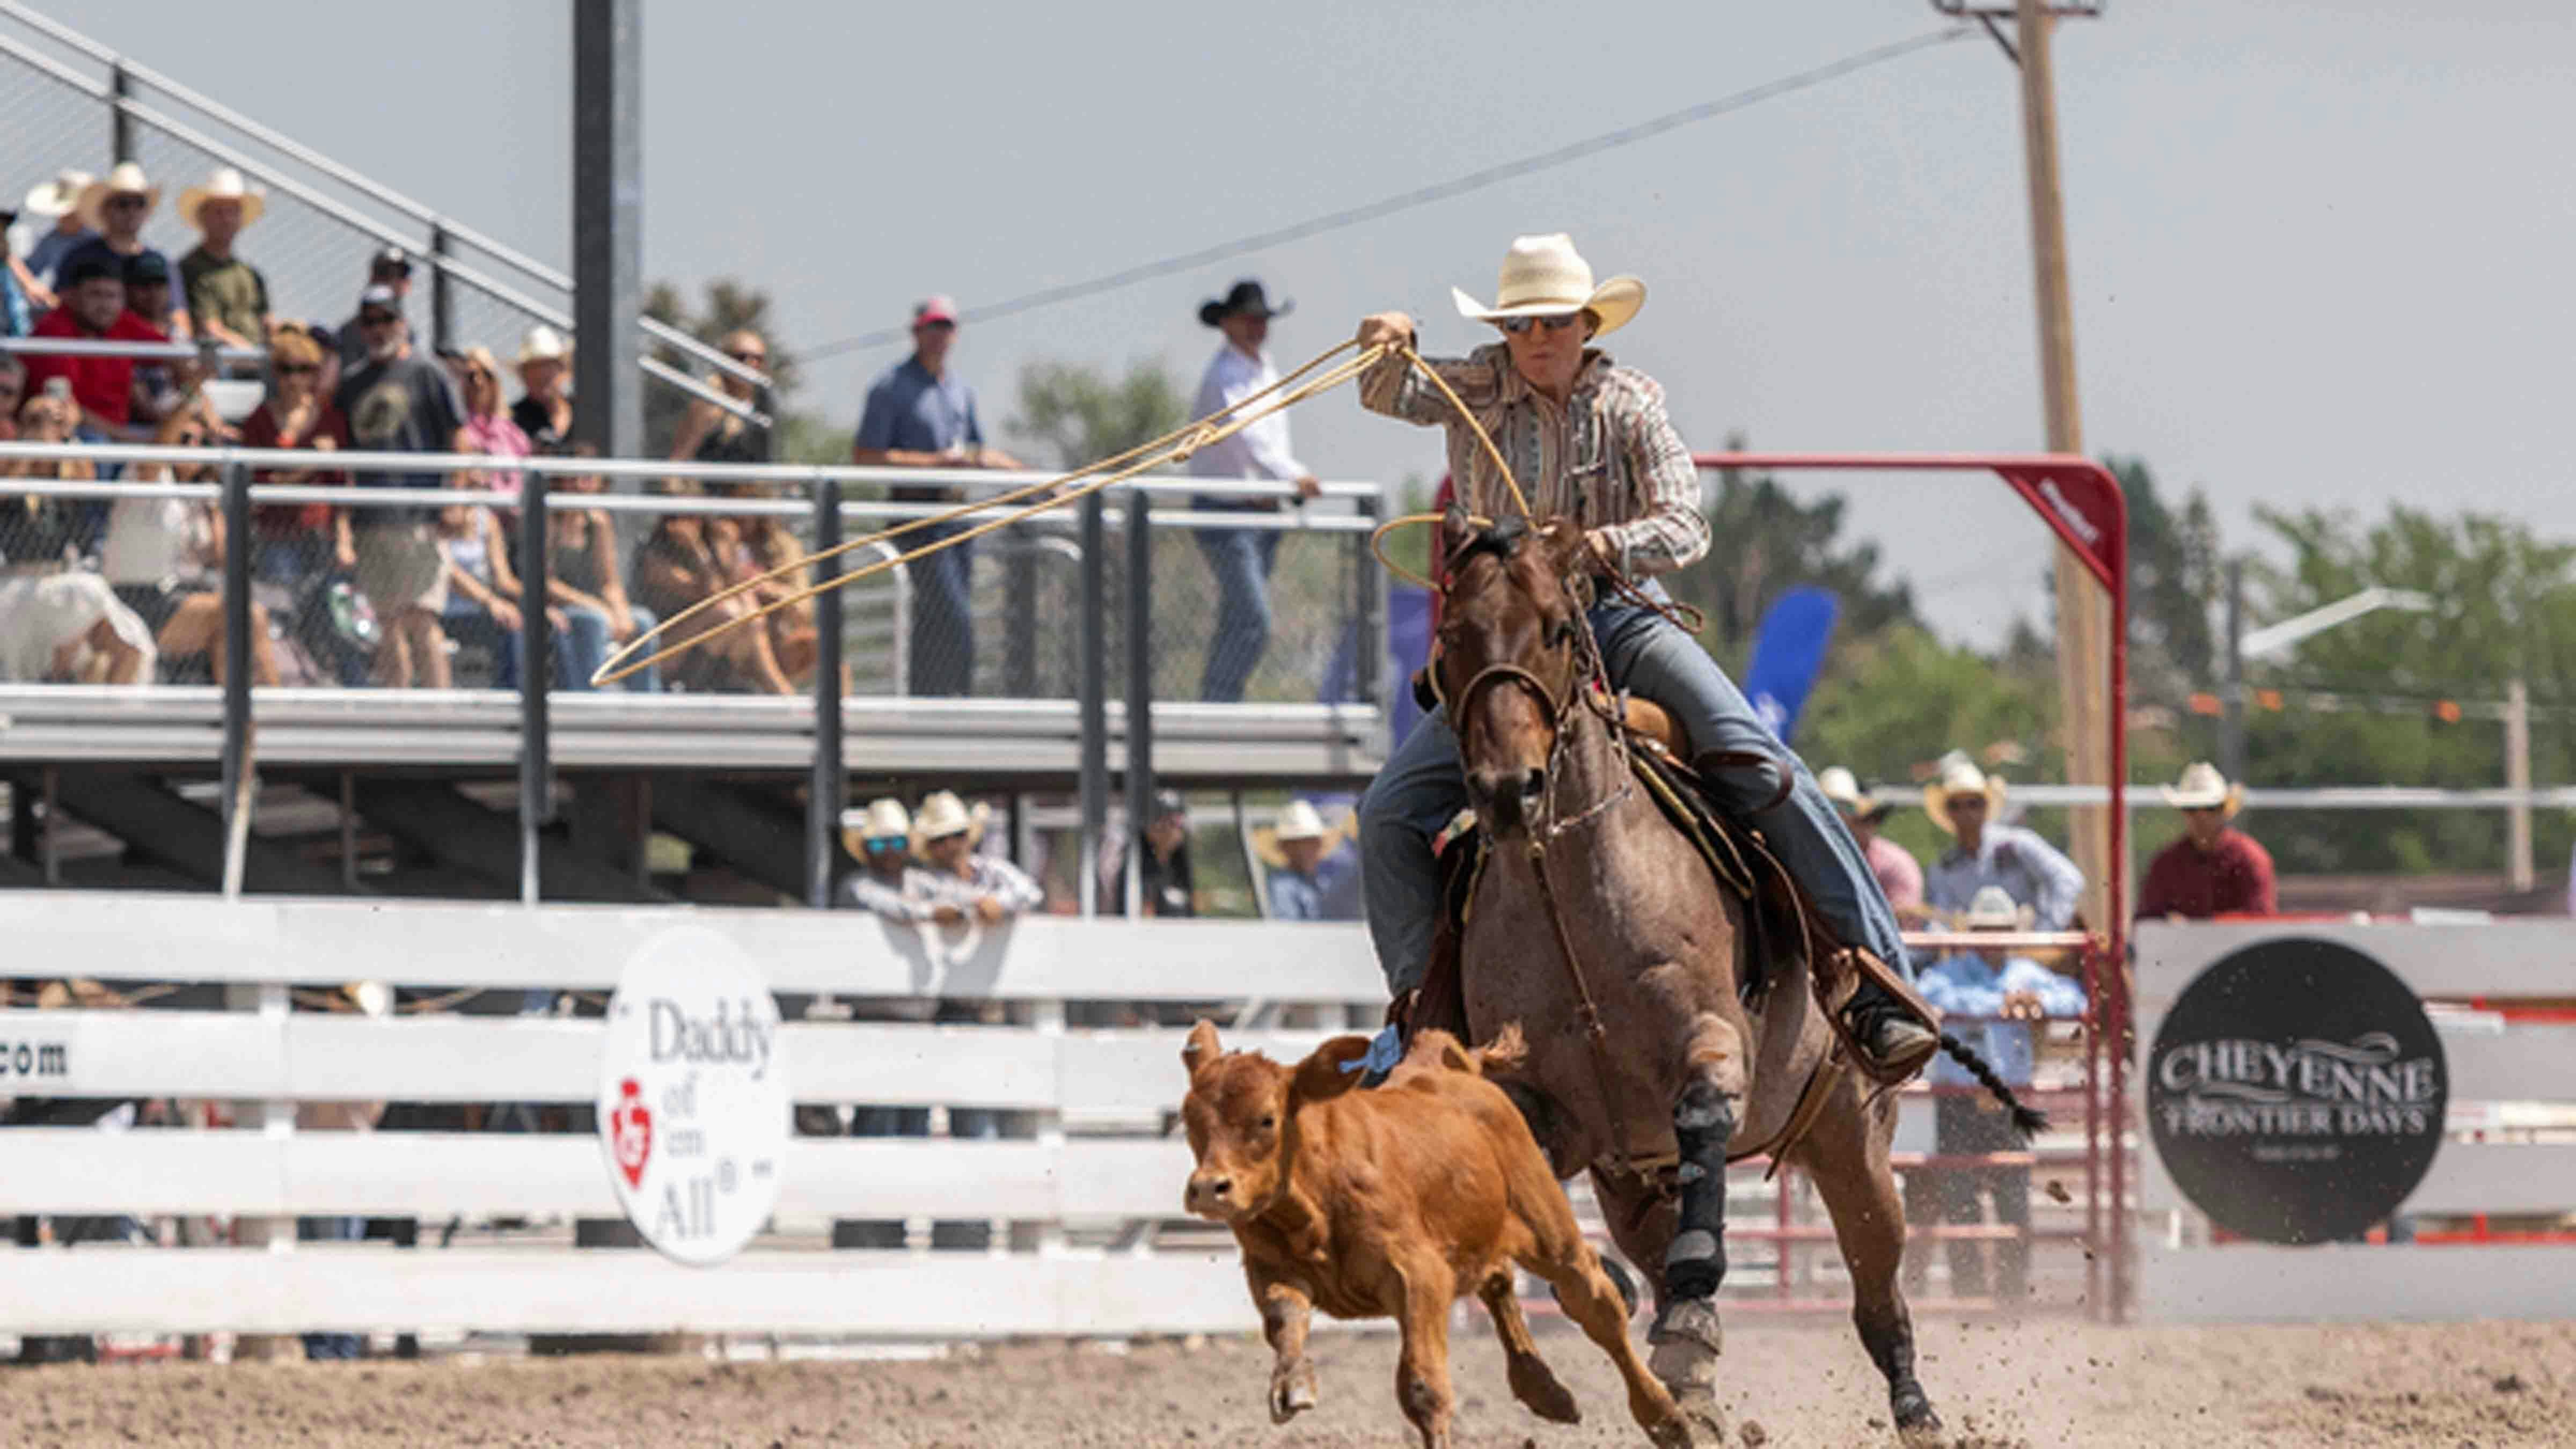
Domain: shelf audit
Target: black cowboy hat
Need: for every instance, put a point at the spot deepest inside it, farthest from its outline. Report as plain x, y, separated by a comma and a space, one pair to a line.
1246, 296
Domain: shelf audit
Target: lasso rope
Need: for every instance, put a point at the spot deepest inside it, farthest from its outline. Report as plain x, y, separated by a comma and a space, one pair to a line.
1033, 499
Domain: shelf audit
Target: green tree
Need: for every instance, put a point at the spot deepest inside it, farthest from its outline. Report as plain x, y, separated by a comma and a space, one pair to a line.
1083, 415
726, 306
2173, 585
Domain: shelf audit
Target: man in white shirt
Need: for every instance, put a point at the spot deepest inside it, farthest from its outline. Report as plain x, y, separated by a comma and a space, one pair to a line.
1241, 558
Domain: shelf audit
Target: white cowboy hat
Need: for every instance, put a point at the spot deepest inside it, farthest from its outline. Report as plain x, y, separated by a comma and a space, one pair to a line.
943, 815
1842, 787
1960, 776
543, 344
1992, 909
124, 179
2203, 788
1299, 822
58, 196
225, 185
1544, 276
883, 819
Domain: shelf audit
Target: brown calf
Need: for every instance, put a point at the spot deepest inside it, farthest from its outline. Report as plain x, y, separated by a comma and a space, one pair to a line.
1393, 1203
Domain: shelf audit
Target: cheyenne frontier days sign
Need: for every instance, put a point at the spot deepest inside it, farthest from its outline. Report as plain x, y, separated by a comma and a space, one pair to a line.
2296, 1091
693, 1099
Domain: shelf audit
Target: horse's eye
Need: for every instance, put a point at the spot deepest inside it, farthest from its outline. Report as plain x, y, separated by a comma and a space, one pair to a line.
1269, 1123
1562, 633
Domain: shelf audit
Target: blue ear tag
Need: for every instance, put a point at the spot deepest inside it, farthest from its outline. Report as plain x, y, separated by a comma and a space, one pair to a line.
1385, 1050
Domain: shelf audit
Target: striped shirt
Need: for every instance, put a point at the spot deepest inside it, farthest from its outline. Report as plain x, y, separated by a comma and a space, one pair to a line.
1609, 459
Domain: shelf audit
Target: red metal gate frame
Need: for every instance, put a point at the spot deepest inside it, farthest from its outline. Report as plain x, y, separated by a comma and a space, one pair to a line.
2082, 505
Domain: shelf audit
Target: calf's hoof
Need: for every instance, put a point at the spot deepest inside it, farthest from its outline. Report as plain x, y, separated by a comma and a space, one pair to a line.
1292, 1390
1536, 1386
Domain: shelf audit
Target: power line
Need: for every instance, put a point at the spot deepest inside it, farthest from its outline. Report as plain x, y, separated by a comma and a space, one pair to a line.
1420, 196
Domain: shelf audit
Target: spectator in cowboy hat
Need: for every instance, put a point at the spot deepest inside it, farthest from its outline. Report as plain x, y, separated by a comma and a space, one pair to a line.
2215, 869
226, 295
58, 200
962, 883
886, 883
1295, 888
1965, 801
920, 414
1242, 558
1988, 998
1899, 875
389, 268
118, 205
544, 409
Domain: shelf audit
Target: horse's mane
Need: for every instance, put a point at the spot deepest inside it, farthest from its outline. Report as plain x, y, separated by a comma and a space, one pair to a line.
1502, 539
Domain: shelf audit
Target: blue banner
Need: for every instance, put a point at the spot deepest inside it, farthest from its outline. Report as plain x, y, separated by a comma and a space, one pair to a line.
1788, 653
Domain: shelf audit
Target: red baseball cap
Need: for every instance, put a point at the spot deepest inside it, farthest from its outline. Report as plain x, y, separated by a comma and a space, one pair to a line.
934, 308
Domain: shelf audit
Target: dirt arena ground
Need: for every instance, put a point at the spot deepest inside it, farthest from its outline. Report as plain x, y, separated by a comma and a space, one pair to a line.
2041, 1383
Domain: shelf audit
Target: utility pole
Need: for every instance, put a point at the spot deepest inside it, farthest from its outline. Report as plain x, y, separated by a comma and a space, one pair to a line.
2517, 777
2083, 613
2231, 730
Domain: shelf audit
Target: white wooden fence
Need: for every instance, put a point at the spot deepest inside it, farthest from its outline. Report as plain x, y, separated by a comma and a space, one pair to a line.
2510, 1151
270, 1056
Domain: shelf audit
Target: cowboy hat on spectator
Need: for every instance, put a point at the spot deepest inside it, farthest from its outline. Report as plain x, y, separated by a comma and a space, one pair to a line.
126, 179
1246, 297
1960, 776
543, 344
59, 196
1300, 820
1544, 276
1992, 909
225, 185
883, 819
1843, 788
2203, 788
943, 815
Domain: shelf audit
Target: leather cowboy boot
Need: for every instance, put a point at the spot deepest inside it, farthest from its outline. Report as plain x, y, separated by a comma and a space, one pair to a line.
1898, 1046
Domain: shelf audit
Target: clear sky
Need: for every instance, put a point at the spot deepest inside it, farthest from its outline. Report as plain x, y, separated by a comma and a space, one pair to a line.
2321, 248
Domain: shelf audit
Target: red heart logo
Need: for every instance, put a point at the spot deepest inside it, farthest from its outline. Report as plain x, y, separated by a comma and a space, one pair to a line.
631, 1132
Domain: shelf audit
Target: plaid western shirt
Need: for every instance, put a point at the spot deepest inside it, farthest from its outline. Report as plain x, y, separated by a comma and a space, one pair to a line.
1609, 459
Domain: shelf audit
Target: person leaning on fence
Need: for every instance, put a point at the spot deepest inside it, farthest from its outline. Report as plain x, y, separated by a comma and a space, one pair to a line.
93, 309
1900, 876
117, 205
226, 296
544, 409
58, 201
1242, 558
164, 556
964, 885
2215, 869
920, 414
1989, 998
1965, 801
395, 401
584, 580
60, 623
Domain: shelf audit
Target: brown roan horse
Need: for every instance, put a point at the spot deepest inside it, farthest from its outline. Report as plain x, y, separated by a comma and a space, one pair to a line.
1598, 928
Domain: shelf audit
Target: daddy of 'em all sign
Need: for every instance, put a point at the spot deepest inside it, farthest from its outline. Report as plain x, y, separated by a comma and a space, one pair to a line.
2296, 1091
693, 1099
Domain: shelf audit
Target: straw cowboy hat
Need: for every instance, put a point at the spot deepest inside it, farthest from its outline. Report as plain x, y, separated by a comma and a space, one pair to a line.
2203, 788
1544, 276
1992, 909
1299, 820
225, 185
944, 815
883, 819
542, 344
1960, 776
126, 179
1842, 787
58, 196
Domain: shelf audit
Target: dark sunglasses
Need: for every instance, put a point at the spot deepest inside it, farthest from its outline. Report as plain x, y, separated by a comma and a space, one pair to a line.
298, 369
1518, 325
377, 319
749, 359
876, 843
119, 203
934, 326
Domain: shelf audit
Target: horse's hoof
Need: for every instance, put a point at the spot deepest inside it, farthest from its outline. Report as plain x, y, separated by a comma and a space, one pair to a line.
1536, 1386
1701, 1421
1912, 1408
1292, 1391
1692, 1320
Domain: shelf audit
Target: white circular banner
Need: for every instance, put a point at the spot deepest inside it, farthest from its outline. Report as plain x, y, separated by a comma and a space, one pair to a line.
693, 1102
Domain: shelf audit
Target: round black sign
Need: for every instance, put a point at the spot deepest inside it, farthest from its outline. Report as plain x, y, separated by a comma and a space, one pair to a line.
2296, 1091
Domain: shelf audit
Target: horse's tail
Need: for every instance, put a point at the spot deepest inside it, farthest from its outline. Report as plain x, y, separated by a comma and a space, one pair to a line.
2027, 1120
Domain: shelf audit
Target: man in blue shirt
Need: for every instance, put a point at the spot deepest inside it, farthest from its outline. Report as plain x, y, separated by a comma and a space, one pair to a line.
1297, 887
919, 415
1988, 1000
1969, 805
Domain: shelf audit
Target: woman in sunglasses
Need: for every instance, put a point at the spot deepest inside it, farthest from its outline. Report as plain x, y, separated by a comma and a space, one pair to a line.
1589, 442
710, 434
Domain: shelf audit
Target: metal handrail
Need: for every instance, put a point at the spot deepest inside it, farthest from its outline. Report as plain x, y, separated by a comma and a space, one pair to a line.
155, 351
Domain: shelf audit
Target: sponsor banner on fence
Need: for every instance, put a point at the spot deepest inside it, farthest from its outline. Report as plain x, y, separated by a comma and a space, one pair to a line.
693, 1099
2296, 1091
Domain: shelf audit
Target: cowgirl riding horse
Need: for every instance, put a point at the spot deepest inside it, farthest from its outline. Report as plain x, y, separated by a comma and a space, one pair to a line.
1590, 442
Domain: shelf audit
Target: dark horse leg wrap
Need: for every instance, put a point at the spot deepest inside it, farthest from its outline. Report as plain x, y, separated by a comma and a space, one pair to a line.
1703, 1121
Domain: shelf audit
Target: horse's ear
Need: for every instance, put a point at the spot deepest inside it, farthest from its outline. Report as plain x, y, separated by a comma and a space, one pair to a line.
1201, 1049
1563, 540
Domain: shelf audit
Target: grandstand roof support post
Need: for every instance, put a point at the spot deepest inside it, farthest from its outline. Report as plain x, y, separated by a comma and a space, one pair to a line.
442, 291
536, 657
1140, 697
823, 798
1369, 649
237, 666
1091, 685
120, 125
608, 223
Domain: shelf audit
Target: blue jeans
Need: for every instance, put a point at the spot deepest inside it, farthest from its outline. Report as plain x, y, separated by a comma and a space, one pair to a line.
1422, 787
943, 614
1241, 559
587, 644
